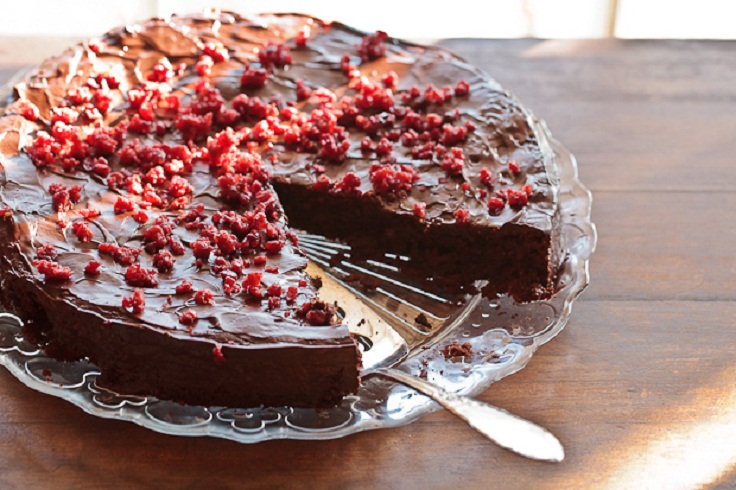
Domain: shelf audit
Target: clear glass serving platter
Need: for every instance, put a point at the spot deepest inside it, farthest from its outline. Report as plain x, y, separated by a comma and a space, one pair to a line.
397, 324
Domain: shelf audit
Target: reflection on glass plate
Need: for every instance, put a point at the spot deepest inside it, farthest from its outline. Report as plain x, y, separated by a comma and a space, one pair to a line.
396, 323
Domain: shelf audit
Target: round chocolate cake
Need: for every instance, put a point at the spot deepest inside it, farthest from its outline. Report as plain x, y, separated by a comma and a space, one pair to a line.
150, 180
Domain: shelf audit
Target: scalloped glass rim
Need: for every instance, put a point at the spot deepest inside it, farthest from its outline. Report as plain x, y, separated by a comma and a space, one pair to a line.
500, 349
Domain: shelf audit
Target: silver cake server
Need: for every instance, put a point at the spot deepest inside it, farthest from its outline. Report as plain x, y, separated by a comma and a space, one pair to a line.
389, 349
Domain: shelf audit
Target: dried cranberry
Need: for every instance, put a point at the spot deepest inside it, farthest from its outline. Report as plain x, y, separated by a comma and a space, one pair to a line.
138, 276
462, 216
254, 78
52, 271
495, 204
420, 209
82, 231
452, 135
123, 205
204, 66
349, 184
462, 88
92, 268
392, 179
160, 73
291, 294
372, 46
28, 110
517, 198
216, 51
275, 290
193, 126
204, 297
47, 252
184, 287
302, 36
274, 54
302, 91
188, 317
486, 177
390, 79
202, 248
136, 301
322, 184
163, 261
217, 356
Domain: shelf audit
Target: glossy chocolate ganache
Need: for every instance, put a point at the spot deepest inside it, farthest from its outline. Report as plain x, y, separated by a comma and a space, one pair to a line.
147, 178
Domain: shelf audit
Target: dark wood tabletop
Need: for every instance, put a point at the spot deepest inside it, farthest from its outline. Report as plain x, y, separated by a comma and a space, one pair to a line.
639, 387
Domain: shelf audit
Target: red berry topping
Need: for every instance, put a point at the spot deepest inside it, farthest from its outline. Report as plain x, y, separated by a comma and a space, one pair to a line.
123, 205
462, 216
274, 54
452, 163
303, 36
189, 318
462, 88
254, 78
392, 179
217, 355
291, 293
216, 51
47, 252
204, 297
202, 248
92, 268
372, 47
452, 135
28, 110
486, 177
317, 312
252, 282
390, 79
275, 290
160, 73
514, 167
323, 183
52, 271
349, 184
64, 198
495, 204
302, 91
137, 276
420, 209
140, 216
517, 198
184, 288
136, 301
163, 261
121, 255
81, 229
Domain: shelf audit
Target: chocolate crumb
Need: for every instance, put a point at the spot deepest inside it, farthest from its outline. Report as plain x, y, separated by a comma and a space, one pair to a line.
422, 322
457, 350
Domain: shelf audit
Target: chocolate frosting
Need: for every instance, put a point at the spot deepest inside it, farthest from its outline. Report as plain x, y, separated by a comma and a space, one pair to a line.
504, 132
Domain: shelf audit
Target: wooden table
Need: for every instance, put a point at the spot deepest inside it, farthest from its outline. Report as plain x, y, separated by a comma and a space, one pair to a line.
639, 386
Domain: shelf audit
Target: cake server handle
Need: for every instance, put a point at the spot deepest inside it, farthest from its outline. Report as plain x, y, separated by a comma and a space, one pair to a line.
505, 429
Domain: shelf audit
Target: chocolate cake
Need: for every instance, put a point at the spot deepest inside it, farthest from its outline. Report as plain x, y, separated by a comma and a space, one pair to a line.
150, 180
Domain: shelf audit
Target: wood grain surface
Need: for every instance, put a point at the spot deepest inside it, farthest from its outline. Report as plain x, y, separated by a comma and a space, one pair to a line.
640, 386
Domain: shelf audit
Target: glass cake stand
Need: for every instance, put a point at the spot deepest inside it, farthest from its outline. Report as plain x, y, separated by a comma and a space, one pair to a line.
396, 323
